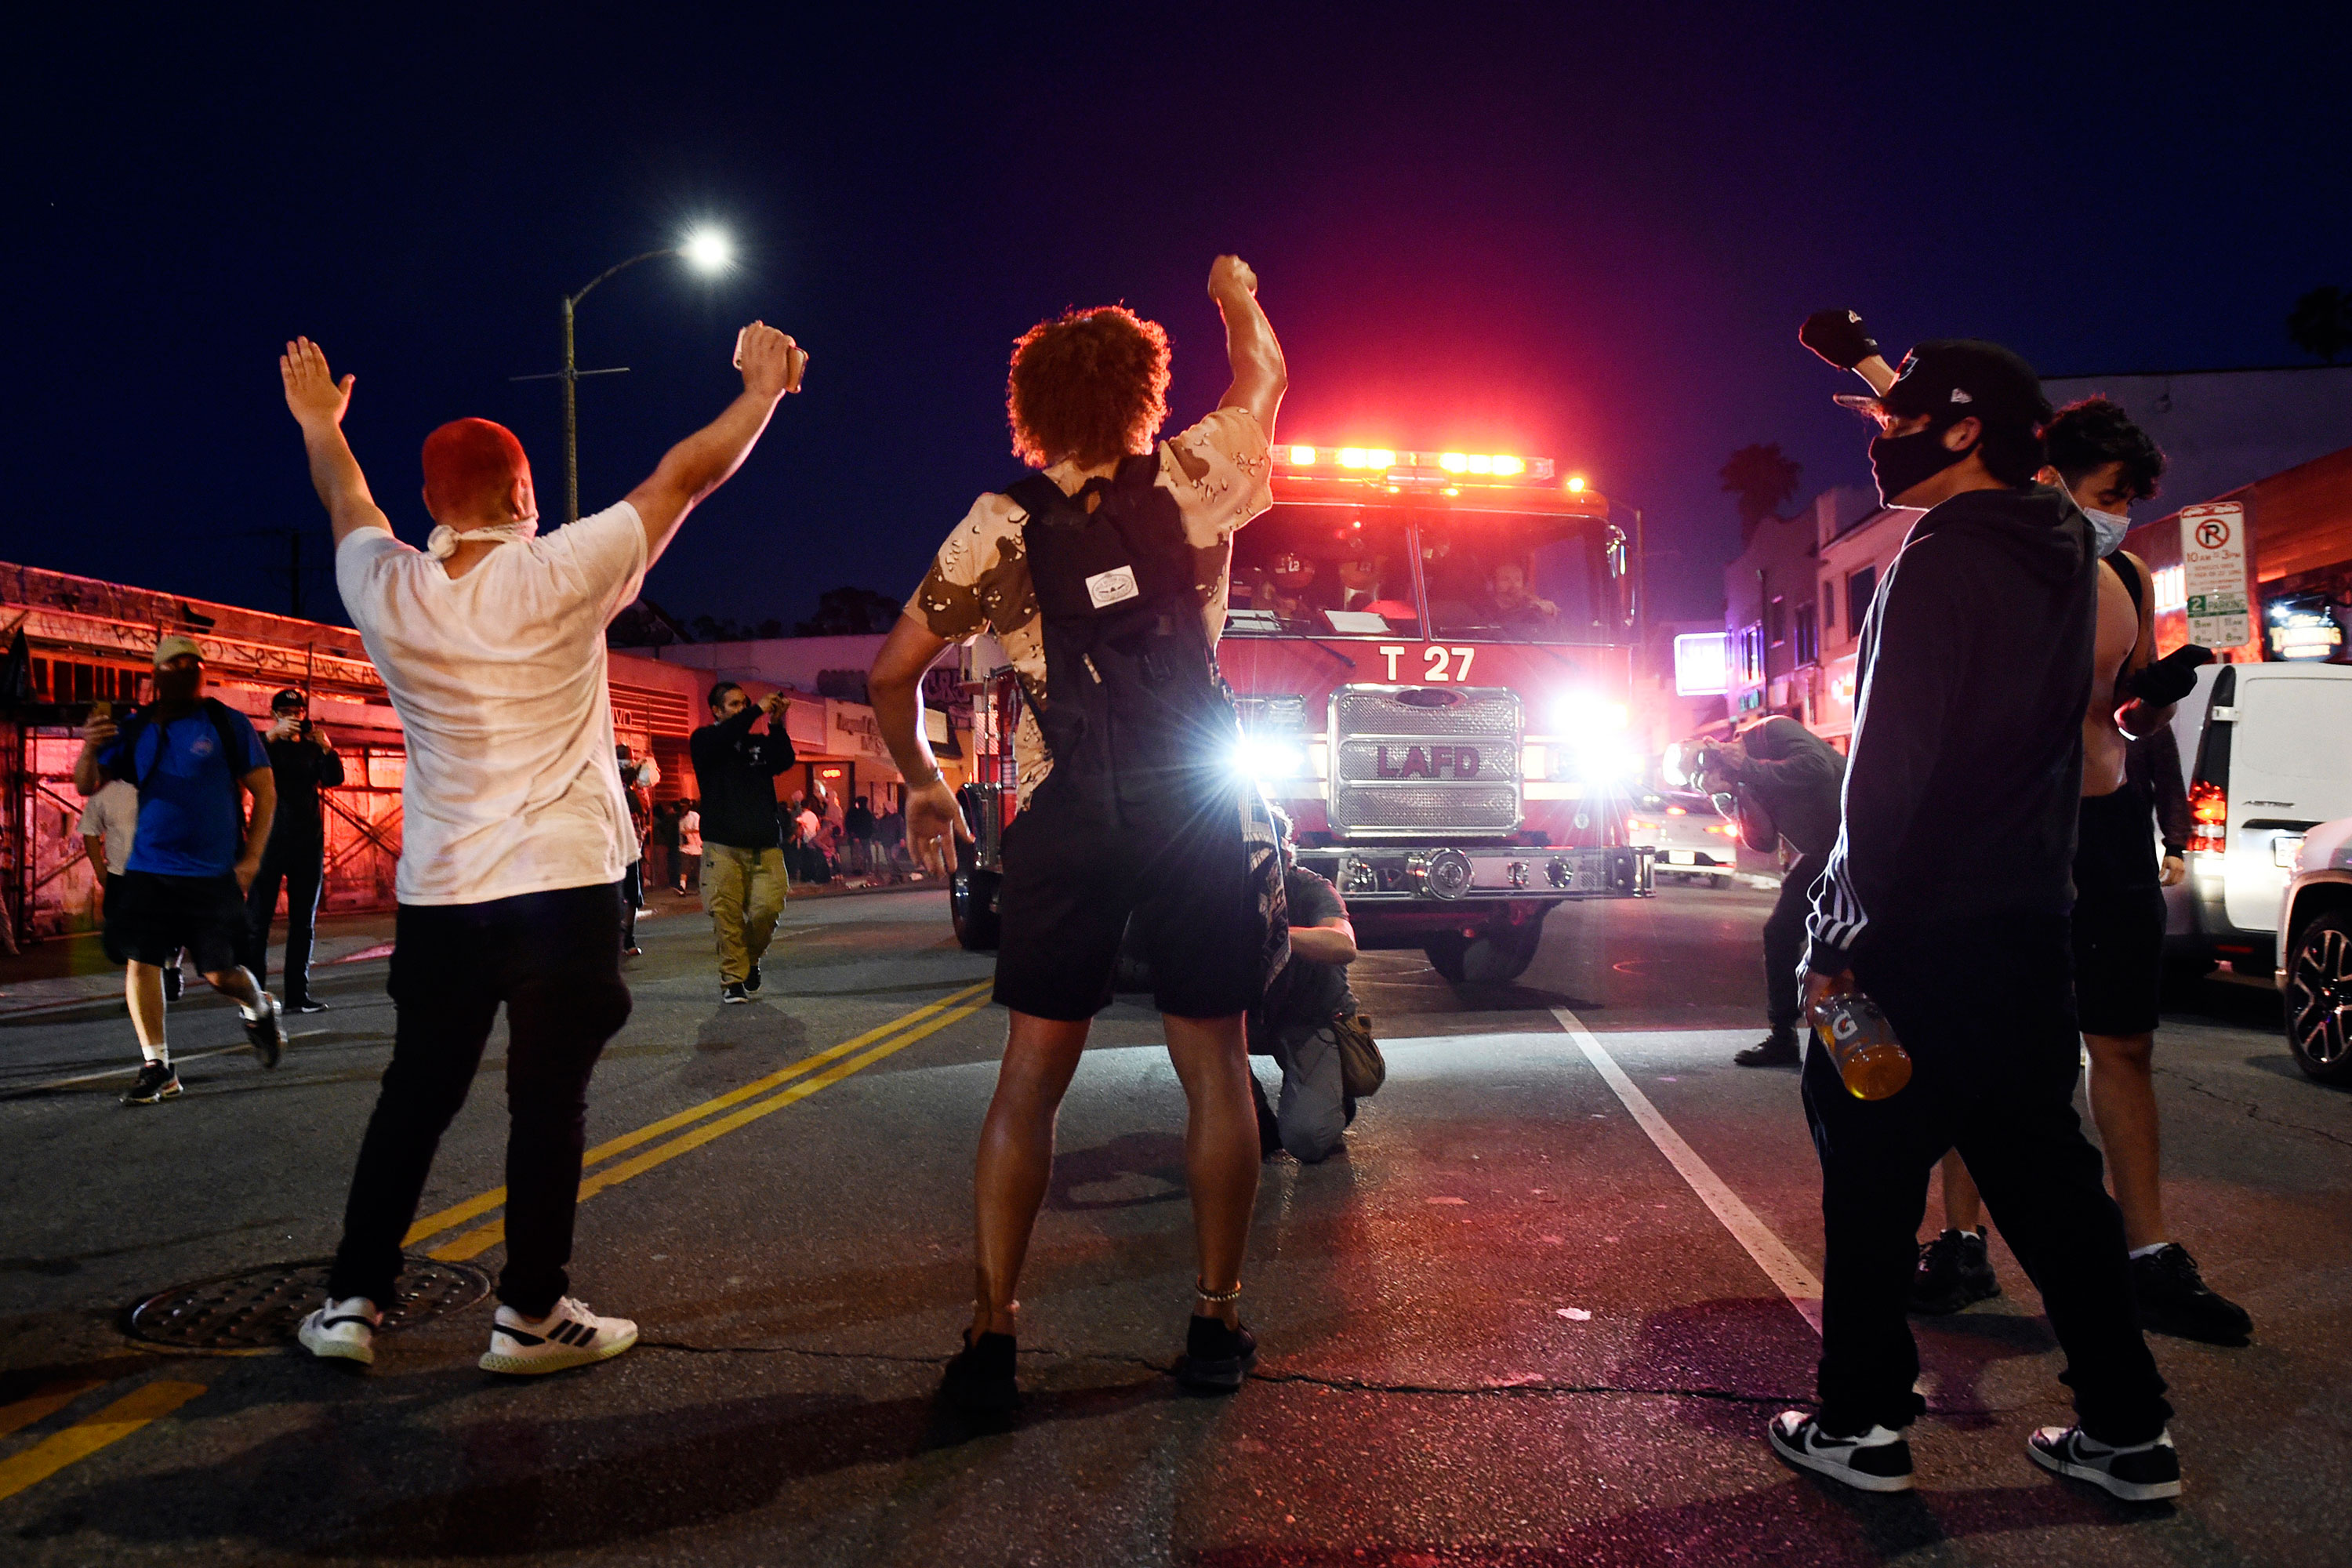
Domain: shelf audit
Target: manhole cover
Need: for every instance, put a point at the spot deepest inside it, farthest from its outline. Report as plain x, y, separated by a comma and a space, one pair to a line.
260, 1309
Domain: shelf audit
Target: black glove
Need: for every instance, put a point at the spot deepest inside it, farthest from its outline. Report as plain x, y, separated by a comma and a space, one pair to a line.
1838, 337
2171, 678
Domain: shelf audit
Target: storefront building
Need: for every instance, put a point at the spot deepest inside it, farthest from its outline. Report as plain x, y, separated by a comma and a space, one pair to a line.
88, 641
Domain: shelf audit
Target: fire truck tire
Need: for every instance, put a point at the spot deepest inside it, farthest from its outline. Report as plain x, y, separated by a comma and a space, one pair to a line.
971, 904
1494, 957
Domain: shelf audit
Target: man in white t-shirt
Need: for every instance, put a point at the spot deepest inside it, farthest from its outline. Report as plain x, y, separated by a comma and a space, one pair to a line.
515, 828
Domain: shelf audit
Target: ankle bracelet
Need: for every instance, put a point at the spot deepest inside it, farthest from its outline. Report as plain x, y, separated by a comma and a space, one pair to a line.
1218, 1298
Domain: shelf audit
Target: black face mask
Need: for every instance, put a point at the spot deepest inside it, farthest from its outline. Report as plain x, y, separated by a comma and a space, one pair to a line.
1900, 462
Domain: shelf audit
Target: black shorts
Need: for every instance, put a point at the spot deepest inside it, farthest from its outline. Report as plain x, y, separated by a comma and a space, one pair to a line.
149, 917
2118, 916
1074, 872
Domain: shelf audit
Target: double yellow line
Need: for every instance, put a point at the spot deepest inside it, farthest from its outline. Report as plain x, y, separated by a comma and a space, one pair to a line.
821, 1071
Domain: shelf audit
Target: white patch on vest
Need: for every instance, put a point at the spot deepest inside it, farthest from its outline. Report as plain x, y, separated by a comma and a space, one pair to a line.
1105, 588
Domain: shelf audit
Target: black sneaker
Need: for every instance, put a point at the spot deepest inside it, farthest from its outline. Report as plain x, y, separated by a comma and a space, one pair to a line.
1216, 1358
732, 992
1776, 1050
267, 1032
1876, 1462
307, 1004
2145, 1472
979, 1383
1953, 1270
2175, 1300
752, 981
156, 1081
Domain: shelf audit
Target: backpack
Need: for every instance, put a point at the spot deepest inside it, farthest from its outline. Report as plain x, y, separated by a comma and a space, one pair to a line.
1134, 712
134, 729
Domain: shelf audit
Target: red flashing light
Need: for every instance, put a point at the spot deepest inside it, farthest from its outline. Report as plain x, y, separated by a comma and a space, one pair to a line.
2209, 808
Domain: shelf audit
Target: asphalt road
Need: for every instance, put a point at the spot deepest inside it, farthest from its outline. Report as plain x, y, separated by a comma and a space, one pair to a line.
1505, 1326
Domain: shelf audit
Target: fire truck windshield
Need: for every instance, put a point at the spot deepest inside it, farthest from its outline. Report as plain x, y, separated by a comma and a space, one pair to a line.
1327, 571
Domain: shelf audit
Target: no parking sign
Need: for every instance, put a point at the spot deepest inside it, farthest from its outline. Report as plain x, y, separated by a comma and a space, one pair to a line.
2213, 573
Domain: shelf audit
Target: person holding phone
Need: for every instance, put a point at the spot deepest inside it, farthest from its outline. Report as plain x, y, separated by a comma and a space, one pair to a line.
303, 762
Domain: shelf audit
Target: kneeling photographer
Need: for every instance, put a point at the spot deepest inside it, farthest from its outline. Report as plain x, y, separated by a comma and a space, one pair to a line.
1778, 781
1309, 1023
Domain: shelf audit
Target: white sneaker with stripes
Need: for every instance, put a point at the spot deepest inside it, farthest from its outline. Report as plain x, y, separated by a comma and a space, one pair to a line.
342, 1331
570, 1336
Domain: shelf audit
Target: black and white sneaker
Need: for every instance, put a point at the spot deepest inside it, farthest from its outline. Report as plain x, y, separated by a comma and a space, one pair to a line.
308, 1005
1877, 1461
1955, 1270
266, 1030
2145, 1472
2175, 1300
570, 1336
1216, 1358
732, 993
156, 1080
752, 981
342, 1331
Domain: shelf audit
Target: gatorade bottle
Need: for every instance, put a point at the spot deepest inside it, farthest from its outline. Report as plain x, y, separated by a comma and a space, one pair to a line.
1870, 1060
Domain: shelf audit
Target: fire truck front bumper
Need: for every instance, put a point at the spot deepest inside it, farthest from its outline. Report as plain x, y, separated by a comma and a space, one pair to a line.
1465, 874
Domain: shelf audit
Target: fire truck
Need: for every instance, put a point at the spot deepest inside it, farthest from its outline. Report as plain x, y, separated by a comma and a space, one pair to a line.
1431, 655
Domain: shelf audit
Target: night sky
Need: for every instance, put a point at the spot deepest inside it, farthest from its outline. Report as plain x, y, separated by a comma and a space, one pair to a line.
1585, 233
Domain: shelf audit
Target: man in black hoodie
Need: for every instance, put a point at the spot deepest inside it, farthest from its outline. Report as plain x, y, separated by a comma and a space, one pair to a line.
1946, 902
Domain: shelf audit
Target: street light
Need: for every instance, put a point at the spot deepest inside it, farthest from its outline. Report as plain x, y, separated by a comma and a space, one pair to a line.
706, 250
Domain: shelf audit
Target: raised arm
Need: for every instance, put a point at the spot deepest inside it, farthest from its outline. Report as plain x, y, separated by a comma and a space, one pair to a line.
1259, 378
1839, 337
772, 365
318, 402
934, 821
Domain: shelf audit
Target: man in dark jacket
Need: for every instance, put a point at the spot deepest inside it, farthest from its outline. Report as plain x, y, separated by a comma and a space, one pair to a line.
1946, 902
303, 762
743, 879
1795, 775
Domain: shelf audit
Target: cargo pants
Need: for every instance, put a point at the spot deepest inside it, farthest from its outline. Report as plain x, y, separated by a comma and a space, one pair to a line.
744, 890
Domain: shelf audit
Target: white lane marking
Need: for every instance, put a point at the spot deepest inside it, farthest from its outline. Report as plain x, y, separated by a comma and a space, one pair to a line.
1783, 1267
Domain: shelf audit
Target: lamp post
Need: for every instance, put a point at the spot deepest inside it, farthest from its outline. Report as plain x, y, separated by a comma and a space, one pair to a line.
707, 251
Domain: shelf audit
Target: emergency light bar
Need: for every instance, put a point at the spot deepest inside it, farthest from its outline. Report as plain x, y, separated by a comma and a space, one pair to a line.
1341, 462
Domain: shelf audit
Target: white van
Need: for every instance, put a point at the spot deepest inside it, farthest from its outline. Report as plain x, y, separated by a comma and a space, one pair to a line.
2267, 753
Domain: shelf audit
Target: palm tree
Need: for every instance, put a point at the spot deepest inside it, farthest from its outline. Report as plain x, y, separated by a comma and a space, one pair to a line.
1763, 477
2321, 323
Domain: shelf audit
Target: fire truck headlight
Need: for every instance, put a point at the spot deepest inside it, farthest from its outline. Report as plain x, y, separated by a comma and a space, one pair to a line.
1609, 758
1265, 758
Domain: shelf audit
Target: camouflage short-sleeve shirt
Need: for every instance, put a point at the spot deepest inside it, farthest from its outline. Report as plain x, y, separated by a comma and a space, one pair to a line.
1219, 473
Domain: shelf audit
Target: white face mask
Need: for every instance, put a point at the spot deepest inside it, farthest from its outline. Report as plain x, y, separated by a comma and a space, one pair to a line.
2107, 529
443, 542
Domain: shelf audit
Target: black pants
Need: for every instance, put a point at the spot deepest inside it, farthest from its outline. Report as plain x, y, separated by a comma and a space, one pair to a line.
1784, 939
633, 894
551, 958
300, 864
1987, 1012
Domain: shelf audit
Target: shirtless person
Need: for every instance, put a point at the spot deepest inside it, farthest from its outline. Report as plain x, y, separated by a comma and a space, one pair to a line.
2106, 462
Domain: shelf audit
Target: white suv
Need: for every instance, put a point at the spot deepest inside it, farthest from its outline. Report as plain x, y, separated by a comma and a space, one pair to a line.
2315, 944
2267, 752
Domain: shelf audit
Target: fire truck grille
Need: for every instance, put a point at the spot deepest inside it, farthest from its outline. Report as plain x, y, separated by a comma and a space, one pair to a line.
1424, 762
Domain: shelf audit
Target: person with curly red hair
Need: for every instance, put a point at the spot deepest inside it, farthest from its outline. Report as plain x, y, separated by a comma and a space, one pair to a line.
1105, 577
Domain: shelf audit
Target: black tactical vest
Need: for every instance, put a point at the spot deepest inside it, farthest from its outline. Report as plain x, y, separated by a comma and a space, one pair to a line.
1135, 713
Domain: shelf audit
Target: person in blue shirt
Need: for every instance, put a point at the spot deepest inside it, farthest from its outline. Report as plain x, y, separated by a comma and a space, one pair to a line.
192, 760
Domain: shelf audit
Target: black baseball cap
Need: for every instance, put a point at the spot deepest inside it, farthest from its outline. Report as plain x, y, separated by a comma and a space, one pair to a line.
1962, 378
287, 701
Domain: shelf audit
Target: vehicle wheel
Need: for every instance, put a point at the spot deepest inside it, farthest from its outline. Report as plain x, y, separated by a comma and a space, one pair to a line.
2319, 998
1445, 955
1718, 882
971, 904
